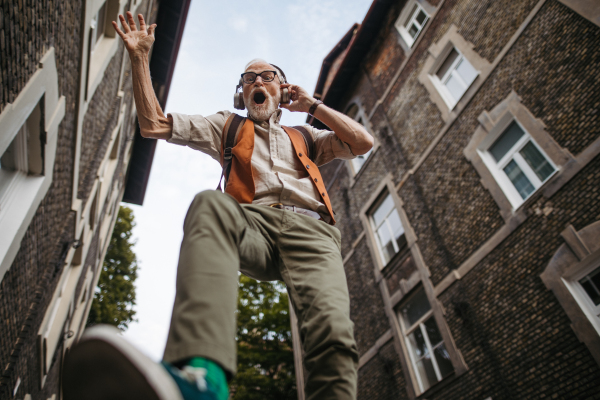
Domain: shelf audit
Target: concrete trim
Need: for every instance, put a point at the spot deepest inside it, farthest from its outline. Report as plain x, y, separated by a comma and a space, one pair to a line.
437, 55
492, 125
17, 213
581, 251
374, 350
588, 9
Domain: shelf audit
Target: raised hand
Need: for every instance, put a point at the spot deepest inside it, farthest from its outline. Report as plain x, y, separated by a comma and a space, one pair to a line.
137, 41
301, 100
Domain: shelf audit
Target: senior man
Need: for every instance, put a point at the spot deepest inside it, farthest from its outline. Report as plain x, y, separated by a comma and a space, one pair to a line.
274, 222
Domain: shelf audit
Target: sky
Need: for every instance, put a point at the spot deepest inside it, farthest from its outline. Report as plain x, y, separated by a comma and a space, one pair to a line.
218, 40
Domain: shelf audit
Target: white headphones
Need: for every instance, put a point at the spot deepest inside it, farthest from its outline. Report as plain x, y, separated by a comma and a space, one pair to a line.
238, 96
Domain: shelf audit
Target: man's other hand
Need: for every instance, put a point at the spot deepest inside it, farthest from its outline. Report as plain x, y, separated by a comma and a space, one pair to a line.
137, 42
301, 100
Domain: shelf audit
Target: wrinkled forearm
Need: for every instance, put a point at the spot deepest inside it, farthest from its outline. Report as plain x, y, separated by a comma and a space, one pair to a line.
345, 128
152, 120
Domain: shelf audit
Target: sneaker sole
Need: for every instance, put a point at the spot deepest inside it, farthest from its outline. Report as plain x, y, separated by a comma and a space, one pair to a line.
104, 366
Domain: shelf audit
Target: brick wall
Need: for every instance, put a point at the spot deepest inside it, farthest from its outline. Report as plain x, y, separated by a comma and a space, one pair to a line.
27, 30
514, 336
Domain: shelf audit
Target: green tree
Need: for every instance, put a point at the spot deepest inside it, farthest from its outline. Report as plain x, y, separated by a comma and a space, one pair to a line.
115, 294
264, 341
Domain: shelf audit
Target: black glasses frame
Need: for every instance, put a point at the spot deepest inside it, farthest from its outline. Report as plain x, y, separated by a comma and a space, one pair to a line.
261, 76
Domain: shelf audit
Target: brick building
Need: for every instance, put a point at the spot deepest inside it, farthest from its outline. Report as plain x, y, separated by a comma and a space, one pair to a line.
70, 152
472, 229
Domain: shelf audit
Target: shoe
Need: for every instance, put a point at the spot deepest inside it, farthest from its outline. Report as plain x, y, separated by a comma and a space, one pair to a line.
104, 366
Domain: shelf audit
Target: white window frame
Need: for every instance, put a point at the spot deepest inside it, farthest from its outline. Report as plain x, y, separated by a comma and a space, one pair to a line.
420, 324
385, 221
21, 200
497, 167
440, 84
571, 280
438, 53
406, 15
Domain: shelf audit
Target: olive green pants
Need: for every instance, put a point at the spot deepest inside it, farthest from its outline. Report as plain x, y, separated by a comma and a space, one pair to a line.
222, 237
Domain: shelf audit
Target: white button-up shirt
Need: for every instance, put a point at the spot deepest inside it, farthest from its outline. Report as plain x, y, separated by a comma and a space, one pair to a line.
279, 176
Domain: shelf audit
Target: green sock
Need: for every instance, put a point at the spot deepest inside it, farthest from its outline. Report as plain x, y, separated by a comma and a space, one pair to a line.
215, 376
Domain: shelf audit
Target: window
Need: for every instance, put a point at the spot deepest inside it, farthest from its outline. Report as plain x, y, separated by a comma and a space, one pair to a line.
451, 72
97, 27
590, 288
454, 77
23, 156
357, 163
388, 229
411, 23
518, 164
428, 355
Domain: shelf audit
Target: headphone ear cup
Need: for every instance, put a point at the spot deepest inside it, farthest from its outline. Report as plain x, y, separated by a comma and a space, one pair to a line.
285, 96
238, 101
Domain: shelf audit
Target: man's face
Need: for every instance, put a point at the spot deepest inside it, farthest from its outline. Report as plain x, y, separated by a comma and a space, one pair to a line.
261, 98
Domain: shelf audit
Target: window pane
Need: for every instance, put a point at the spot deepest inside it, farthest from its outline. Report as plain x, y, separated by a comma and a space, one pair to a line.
591, 284
417, 344
7, 161
466, 71
416, 307
410, 15
100, 18
397, 228
443, 360
455, 87
385, 238
506, 141
427, 373
357, 163
413, 31
537, 161
518, 178
383, 210
447, 63
421, 17
432, 332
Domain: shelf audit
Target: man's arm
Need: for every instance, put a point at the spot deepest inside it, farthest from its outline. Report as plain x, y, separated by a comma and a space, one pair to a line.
345, 128
153, 122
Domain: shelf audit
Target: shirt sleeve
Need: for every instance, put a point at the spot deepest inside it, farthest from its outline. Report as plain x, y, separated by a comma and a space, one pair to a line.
200, 133
328, 146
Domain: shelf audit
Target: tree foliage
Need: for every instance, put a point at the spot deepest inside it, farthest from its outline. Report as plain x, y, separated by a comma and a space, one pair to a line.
115, 294
264, 341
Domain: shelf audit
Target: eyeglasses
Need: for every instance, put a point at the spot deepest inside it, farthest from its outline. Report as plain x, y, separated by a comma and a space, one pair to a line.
266, 76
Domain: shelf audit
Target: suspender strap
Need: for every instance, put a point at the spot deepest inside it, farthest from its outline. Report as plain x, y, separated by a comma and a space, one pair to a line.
308, 139
230, 131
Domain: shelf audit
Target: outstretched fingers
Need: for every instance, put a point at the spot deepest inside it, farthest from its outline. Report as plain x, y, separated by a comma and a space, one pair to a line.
126, 28
131, 21
119, 32
142, 22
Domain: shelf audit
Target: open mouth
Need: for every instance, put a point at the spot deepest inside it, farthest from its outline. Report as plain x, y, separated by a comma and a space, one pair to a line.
259, 98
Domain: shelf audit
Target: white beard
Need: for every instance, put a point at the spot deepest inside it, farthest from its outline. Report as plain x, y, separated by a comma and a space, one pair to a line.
262, 112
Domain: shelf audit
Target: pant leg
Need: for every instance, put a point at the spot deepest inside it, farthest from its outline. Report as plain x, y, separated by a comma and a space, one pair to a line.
313, 271
218, 235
